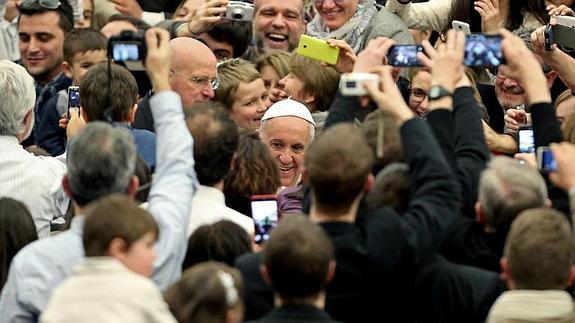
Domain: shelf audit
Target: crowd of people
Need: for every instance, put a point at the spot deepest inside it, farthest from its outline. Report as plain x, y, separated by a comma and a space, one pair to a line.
211, 173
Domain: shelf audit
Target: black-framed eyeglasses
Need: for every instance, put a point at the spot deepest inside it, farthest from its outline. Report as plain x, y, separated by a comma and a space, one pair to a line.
418, 94
46, 4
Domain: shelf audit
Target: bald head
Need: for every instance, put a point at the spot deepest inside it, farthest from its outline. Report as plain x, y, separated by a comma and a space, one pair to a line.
187, 51
191, 59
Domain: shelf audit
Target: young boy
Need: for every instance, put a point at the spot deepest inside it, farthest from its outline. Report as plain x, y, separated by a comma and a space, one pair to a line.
82, 49
242, 91
112, 284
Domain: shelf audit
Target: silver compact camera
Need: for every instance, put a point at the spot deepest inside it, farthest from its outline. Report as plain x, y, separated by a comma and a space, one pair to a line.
240, 11
352, 84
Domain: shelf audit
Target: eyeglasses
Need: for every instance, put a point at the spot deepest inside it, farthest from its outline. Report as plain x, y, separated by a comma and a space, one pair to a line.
418, 94
201, 81
45, 4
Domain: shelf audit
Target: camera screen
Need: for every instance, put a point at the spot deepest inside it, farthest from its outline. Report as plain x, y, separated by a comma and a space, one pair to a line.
350, 84
125, 52
526, 142
548, 162
73, 98
404, 55
265, 215
483, 50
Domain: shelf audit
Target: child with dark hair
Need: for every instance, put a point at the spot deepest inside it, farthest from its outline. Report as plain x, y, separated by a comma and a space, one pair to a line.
112, 284
83, 48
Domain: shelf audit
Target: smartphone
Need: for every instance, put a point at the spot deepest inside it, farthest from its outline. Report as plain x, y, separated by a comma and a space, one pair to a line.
526, 140
461, 26
549, 36
545, 160
265, 215
483, 50
73, 98
317, 49
564, 31
404, 55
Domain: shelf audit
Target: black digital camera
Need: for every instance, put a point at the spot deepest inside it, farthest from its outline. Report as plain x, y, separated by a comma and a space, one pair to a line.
130, 48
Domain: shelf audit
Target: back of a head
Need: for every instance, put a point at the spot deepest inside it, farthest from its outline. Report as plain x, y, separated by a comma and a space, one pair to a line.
17, 97
114, 216
83, 40
337, 165
222, 241
391, 189
539, 250
297, 258
231, 73
17, 229
94, 93
215, 140
382, 135
321, 82
254, 173
101, 160
508, 187
207, 292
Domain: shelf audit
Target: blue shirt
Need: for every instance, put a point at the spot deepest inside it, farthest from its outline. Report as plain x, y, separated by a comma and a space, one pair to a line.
39, 267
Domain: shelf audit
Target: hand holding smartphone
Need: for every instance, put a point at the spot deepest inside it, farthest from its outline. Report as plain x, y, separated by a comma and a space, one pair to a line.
545, 160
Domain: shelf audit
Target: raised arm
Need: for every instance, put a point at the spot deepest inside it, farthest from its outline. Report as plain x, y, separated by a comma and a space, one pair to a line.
431, 15
175, 179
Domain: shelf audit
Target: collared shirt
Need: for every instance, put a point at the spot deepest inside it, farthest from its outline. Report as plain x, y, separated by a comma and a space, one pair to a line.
532, 306
41, 266
36, 181
209, 207
8, 37
102, 289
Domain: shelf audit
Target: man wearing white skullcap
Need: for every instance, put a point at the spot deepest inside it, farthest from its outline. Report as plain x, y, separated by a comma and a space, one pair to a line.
287, 129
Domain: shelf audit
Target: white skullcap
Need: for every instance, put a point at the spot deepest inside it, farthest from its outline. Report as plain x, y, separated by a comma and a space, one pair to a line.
288, 108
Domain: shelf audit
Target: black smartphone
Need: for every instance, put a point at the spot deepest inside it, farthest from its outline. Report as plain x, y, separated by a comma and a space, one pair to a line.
545, 160
483, 50
526, 141
73, 98
549, 37
404, 55
265, 216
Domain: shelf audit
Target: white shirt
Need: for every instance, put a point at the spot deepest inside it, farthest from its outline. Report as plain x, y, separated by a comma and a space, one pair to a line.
36, 181
209, 207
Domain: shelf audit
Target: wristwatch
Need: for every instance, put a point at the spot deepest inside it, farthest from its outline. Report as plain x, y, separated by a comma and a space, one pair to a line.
437, 92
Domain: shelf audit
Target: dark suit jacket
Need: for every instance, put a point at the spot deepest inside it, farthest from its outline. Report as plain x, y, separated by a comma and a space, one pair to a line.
143, 118
296, 313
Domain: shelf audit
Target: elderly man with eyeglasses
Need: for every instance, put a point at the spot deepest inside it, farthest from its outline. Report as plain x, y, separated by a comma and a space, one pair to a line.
193, 75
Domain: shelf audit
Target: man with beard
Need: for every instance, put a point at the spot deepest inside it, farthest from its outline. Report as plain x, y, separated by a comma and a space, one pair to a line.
277, 25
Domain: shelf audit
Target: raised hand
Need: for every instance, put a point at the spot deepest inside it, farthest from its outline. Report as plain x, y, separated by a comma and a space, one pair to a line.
129, 7
489, 12
207, 14
387, 95
346, 58
158, 58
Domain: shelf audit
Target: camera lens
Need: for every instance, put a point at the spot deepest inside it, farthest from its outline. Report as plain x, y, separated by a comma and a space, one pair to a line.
238, 14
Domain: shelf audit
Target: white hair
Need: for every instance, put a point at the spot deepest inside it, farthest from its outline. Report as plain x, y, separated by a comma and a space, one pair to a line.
17, 97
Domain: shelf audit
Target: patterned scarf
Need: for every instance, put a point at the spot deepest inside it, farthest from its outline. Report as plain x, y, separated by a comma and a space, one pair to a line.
351, 31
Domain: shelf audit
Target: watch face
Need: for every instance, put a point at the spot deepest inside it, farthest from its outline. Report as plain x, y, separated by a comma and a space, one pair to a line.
434, 92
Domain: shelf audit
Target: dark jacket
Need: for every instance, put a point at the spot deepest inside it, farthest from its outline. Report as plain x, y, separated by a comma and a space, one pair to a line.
295, 313
143, 118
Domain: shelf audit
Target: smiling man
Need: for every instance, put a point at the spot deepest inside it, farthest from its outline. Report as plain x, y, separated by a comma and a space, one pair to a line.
287, 129
41, 29
277, 24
